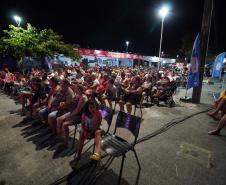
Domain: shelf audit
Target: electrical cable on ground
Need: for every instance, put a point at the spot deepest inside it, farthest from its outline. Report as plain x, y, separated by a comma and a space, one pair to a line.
168, 126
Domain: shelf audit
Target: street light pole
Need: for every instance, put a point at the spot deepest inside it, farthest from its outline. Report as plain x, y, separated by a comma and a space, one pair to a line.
127, 43
163, 12
18, 20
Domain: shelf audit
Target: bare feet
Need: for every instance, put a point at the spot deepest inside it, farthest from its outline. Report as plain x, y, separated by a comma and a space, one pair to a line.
214, 132
212, 114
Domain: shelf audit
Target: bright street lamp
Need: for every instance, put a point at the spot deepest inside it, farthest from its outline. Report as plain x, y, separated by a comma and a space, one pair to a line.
127, 43
17, 19
163, 13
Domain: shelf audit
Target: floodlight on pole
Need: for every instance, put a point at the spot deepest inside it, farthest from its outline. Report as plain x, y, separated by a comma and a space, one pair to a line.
18, 20
127, 44
163, 13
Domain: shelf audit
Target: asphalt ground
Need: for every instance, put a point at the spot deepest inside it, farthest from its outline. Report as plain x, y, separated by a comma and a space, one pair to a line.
173, 148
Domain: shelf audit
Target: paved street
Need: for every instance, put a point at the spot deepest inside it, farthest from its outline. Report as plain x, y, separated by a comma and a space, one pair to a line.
183, 154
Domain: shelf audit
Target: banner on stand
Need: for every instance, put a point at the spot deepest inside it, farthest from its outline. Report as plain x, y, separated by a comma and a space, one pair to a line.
193, 77
218, 65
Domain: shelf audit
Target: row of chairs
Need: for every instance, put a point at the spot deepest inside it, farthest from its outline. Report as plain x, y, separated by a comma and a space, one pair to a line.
114, 145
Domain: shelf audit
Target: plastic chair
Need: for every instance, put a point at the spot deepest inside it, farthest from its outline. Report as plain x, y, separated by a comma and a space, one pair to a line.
137, 103
116, 146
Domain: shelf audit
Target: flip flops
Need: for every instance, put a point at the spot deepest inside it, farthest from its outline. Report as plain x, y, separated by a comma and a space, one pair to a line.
95, 157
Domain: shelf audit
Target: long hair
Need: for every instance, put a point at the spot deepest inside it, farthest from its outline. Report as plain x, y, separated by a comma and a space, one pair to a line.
81, 88
86, 106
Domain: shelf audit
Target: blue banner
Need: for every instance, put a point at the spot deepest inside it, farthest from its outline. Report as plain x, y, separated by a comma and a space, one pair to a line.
48, 63
100, 62
218, 65
130, 63
193, 77
149, 64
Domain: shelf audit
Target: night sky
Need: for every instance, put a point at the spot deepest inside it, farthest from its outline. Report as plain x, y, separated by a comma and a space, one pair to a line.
107, 24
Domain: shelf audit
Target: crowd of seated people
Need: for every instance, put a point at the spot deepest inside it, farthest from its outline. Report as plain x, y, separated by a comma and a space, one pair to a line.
64, 97
95, 81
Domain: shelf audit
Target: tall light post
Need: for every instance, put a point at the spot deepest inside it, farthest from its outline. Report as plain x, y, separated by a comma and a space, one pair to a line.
18, 20
127, 44
163, 13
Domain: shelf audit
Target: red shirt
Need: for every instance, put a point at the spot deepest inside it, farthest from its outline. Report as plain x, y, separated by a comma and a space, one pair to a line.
103, 84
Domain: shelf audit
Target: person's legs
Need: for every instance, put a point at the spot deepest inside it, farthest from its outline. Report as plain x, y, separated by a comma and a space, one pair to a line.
223, 110
52, 119
60, 121
142, 98
129, 107
98, 141
43, 114
80, 146
65, 128
25, 95
216, 103
221, 125
121, 105
219, 107
109, 102
103, 100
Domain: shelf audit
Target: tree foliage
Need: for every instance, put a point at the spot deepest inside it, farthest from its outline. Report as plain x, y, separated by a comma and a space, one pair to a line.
19, 42
187, 46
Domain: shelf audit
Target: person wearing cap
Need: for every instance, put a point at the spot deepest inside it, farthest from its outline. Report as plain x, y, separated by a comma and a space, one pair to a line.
54, 85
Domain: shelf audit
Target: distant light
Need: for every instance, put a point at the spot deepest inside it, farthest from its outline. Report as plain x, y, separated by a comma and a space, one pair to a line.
163, 11
177, 56
127, 43
17, 18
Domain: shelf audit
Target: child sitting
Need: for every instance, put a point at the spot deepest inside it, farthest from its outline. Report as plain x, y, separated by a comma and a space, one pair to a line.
91, 122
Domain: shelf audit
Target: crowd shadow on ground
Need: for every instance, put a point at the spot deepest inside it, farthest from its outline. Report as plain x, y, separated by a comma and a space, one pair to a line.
93, 172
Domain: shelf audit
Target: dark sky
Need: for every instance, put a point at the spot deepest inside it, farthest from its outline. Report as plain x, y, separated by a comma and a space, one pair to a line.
107, 24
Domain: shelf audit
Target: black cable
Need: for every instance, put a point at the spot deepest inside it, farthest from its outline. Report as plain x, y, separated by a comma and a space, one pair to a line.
168, 126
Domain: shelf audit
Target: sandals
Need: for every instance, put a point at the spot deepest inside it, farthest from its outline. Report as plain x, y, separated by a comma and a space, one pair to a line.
95, 157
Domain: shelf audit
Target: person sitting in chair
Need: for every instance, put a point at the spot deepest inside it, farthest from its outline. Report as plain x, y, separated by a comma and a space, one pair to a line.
109, 93
132, 95
220, 105
73, 117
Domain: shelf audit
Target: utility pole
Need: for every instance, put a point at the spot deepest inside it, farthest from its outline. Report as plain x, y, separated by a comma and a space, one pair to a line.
204, 41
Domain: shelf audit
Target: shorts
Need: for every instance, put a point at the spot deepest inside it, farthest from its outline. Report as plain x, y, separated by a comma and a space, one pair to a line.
57, 113
74, 119
44, 112
132, 100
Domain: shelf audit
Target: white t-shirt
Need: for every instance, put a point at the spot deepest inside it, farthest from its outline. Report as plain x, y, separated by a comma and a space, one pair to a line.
96, 82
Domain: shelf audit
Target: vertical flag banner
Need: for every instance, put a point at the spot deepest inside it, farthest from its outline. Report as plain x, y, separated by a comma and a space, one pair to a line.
149, 64
48, 63
130, 63
218, 65
100, 62
193, 77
